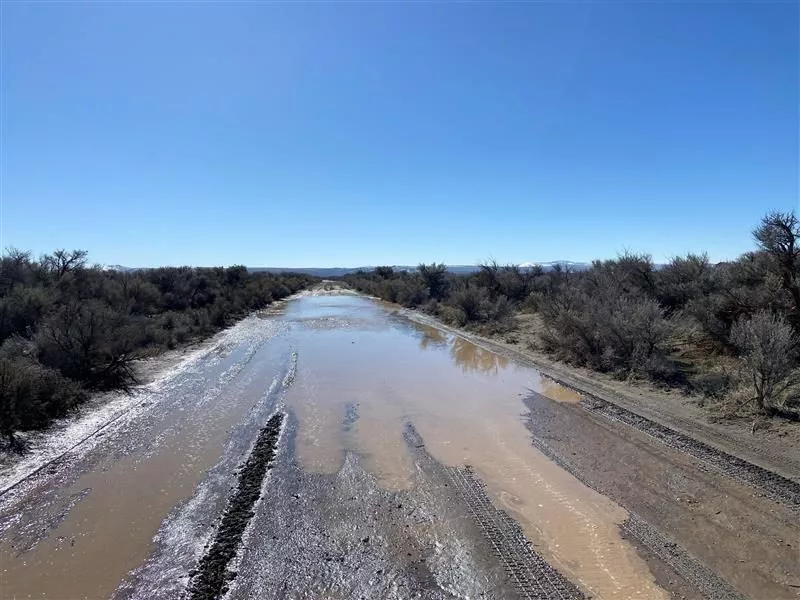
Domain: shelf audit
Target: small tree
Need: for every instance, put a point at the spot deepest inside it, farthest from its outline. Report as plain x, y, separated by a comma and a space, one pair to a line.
779, 236
63, 261
384, 272
435, 277
768, 350
14, 265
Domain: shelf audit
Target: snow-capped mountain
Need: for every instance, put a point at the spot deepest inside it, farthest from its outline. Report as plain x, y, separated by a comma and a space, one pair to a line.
577, 266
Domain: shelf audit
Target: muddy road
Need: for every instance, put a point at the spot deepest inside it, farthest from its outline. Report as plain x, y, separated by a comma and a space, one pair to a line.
335, 449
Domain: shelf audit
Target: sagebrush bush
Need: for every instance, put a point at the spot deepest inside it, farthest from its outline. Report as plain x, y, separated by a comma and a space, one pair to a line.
768, 350
31, 395
67, 329
608, 330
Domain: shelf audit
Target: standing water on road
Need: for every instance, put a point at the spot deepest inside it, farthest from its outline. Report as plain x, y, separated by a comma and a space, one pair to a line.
383, 417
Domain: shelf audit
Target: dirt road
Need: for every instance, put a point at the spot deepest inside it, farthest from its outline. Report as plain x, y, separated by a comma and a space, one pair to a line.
336, 449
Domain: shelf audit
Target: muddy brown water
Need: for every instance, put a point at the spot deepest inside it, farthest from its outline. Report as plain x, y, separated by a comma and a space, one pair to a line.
131, 511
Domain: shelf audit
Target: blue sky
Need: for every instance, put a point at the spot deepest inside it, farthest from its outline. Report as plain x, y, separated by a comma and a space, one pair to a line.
325, 134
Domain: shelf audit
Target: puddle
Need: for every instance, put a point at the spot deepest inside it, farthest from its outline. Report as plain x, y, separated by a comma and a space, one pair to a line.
127, 494
466, 403
555, 391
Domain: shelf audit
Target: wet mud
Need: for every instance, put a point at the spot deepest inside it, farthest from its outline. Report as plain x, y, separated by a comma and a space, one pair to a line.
702, 532
76, 528
779, 488
412, 463
213, 575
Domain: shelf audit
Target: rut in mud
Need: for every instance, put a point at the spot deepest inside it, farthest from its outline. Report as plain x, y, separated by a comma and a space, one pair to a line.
775, 486
213, 576
529, 574
532, 577
703, 579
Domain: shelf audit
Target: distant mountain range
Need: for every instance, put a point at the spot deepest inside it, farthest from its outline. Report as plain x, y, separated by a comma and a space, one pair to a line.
118, 268
339, 271
458, 269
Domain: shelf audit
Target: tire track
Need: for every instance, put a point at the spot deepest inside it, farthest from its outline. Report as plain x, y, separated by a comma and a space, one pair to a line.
774, 486
708, 583
530, 574
533, 577
701, 577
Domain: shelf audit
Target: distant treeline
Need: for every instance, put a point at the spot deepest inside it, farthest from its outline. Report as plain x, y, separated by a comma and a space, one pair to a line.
67, 329
729, 330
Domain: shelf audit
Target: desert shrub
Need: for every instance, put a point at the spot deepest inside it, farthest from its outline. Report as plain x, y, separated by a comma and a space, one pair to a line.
778, 236
31, 395
66, 328
510, 281
435, 278
384, 272
471, 304
684, 279
768, 349
22, 309
734, 290
713, 384
472, 301
607, 330
452, 315
631, 273
431, 307
88, 342
500, 311
411, 292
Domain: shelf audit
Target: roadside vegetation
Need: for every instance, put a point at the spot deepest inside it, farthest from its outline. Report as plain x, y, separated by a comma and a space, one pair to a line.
68, 329
728, 331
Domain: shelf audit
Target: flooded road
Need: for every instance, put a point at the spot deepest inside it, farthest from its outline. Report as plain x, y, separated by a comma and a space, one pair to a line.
376, 373
404, 469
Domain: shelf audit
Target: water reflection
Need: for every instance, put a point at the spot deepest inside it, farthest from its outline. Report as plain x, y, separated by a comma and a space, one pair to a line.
474, 359
555, 391
470, 357
431, 337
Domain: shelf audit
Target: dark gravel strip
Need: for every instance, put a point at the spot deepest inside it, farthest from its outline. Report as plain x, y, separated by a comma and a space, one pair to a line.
774, 486
212, 577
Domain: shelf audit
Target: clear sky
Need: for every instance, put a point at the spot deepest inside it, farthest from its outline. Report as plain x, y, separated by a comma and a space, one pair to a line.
344, 134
